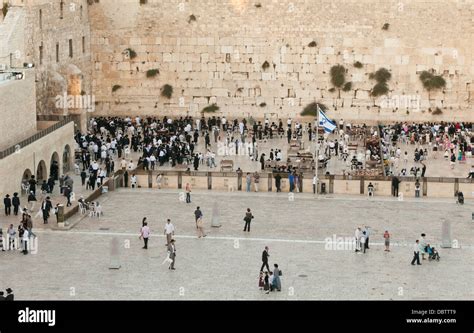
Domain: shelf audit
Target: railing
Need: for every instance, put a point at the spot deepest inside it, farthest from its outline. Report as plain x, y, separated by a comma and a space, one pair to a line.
9, 151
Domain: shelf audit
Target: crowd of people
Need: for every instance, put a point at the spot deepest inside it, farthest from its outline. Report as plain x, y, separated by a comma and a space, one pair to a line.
452, 142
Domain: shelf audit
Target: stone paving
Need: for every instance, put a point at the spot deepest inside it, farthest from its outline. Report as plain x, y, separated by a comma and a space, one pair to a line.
74, 265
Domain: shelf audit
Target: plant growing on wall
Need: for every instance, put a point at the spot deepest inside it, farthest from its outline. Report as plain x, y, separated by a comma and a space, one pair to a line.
131, 53
432, 82
313, 44
167, 91
211, 108
386, 26
263, 104
258, 5
143, 2
347, 86
265, 65
312, 109
382, 76
338, 79
5, 9
358, 64
192, 18
437, 111
152, 73
116, 87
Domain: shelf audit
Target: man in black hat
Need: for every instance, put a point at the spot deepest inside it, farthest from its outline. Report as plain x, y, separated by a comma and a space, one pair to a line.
10, 296
46, 207
8, 204
15, 203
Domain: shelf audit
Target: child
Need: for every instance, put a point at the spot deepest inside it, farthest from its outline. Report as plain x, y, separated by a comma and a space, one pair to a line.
261, 282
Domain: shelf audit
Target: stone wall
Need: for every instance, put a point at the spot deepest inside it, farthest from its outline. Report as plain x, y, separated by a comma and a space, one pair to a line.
59, 73
17, 105
212, 51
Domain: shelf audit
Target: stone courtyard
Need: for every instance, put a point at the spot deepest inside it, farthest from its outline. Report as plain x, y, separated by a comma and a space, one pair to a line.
74, 265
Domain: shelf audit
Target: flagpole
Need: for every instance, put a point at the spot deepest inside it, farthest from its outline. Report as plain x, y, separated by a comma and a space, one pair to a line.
317, 150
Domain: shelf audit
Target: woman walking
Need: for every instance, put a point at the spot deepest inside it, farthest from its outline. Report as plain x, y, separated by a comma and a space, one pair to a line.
386, 236
188, 193
200, 228
276, 278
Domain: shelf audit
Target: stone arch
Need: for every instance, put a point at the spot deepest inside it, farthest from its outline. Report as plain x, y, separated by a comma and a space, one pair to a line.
67, 159
41, 171
24, 180
54, 166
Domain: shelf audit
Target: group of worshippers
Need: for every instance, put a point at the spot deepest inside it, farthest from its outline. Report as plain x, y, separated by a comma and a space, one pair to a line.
454, 140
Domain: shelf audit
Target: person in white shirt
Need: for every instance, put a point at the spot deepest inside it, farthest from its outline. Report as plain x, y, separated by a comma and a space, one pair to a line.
416, 253
169, 231
158, 180
357, 239
26, 237
133, 181
123, 164
315, 182
145, 234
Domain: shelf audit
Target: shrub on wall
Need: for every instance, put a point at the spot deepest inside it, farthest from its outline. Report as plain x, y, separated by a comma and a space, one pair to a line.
382, 76
167, 91
347, 86
358, 64
386, 26
131, 53
210, 109
152, 73
431, 81
192, 18
313, 44
312, 109
116, 87
5, 9
265, 65
143, 2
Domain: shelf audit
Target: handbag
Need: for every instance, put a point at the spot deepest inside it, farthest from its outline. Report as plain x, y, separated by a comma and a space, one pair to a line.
280, 273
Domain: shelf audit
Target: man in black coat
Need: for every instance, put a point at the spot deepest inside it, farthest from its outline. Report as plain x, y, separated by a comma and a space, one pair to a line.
265, 256
10, 296
395, 184
15, 203
2, 298
32, 183
46, 207
8, 205
278, 182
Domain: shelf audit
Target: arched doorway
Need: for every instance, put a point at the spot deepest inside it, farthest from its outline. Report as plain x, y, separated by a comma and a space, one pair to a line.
66, 159
24, 181
54, 166
41, 172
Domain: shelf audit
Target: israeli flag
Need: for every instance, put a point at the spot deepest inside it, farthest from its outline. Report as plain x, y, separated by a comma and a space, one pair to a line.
324, 121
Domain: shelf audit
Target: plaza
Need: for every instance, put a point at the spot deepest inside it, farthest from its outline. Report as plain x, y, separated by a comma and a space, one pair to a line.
74, 264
